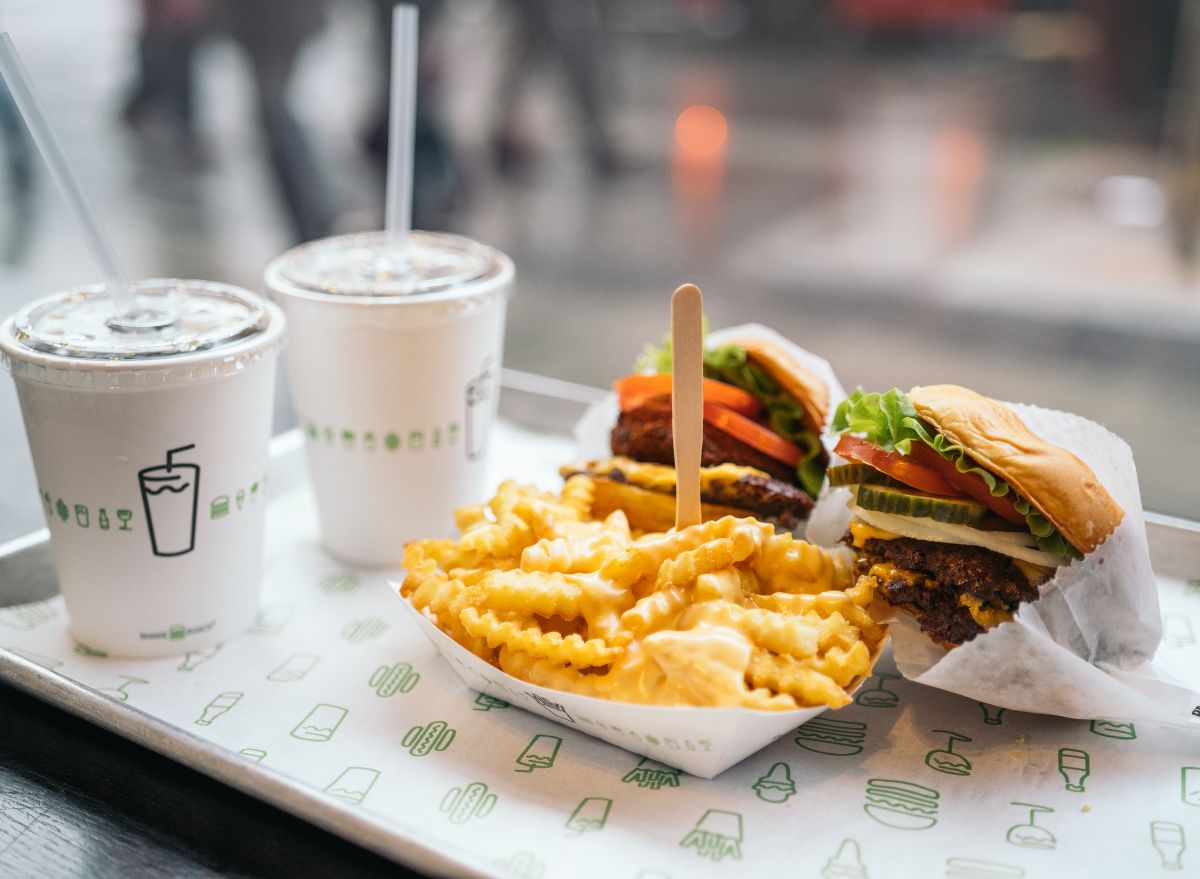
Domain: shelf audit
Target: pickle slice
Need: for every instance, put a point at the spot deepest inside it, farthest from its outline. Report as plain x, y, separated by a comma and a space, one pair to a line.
854, 474
901, 502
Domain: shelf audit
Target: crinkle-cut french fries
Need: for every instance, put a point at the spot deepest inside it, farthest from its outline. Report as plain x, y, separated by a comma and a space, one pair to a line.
726, 613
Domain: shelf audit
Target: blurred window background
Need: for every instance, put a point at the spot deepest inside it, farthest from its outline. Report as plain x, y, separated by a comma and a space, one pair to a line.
997, 193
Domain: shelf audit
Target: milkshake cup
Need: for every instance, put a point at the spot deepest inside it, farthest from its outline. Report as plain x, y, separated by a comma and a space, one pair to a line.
143, 426
394, 359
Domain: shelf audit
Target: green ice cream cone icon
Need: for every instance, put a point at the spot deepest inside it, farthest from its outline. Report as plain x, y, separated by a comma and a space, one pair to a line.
652, 774
461, 804
539, 753
777, 785
590, 814
846, 863
716, 836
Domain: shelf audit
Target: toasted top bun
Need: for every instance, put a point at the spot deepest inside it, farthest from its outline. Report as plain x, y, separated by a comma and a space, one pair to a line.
809, 391
1060, 486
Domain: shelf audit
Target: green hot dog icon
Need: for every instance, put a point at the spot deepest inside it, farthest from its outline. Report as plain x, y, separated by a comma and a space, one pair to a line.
388, 680
435, 736
461, 804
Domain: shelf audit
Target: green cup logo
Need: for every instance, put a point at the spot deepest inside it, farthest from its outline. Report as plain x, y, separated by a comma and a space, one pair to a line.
591, 814
353, 784
421, 740
539, 753
716, 836
388, 680
472, 801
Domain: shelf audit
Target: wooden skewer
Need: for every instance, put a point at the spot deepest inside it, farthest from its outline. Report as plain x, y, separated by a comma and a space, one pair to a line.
687, 402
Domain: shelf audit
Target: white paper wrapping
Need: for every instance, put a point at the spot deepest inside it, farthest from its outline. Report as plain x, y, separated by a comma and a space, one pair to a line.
1085, 648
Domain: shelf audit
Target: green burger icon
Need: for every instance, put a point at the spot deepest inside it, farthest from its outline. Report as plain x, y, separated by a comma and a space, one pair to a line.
904, 805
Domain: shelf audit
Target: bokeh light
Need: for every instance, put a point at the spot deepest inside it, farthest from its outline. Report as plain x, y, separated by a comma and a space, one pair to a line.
701, 130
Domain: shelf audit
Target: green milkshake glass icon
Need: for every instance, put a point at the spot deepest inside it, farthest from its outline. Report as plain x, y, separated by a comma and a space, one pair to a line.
590, 814
169, 499
539, 753
1074, 766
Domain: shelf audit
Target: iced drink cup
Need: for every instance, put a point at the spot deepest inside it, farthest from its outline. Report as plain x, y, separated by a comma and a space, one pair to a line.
394, 360
141, 430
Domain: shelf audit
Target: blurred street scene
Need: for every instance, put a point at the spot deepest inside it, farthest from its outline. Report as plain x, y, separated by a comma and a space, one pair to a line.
998, 193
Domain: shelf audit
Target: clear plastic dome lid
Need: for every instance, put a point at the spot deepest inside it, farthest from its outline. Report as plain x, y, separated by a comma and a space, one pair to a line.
374, 264
172, 317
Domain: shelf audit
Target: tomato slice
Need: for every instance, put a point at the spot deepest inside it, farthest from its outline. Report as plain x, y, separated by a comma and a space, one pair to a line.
967, 483
633, 389
895, 465
752, 433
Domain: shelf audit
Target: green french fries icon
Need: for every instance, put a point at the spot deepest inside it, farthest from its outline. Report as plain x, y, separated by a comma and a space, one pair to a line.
652, 774
463, 804
388, 680
717, 835
539, 753
421, 740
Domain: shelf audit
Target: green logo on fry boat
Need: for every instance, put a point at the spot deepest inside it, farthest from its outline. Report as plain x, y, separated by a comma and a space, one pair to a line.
716, 836
652, 774
388, 680
591, 814
434, 736
539, 753
461, 804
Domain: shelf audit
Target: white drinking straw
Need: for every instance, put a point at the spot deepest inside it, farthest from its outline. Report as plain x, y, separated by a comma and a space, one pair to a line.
402, 123
21, 86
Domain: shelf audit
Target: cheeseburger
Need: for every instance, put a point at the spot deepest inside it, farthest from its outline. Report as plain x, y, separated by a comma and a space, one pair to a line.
763, 418
959, 511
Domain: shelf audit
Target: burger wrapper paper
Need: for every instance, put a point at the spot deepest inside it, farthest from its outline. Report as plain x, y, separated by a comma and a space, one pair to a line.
595, 427
1086, 648
702, 741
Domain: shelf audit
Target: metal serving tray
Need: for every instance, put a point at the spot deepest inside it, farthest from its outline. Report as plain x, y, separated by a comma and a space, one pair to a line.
551, 407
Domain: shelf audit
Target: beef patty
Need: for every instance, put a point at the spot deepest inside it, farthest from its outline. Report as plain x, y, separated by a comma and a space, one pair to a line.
940, 573
644, 434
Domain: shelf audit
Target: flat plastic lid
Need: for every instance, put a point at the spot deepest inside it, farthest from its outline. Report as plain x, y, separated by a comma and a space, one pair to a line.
373, 264
173, 317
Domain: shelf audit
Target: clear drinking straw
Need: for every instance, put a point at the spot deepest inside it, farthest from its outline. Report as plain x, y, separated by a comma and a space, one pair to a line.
25, 96
401, 124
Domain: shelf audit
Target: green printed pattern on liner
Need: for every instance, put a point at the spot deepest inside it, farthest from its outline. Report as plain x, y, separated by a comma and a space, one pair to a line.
390, 441
461, 804
423, 740
388, 680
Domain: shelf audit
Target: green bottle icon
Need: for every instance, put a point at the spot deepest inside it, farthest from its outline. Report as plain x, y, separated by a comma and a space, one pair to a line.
220, 704
776, 786
991, 714
652, 774
716, 836
388, 680
103, 519
539, 753
1074, 766
82, 517
422, 740
945, 759
591, 814
1168, 840
484, 702
472, 801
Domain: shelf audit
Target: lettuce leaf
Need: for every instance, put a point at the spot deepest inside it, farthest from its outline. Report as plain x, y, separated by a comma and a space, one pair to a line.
890, 421
729, 363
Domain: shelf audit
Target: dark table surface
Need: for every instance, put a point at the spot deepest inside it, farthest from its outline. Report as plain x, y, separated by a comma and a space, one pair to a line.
76, 800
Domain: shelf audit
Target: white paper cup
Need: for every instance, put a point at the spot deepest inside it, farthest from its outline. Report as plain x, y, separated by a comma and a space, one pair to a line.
150, 449
394, 370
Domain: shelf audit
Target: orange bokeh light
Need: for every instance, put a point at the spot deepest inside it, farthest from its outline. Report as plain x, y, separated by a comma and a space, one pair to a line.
701, 130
